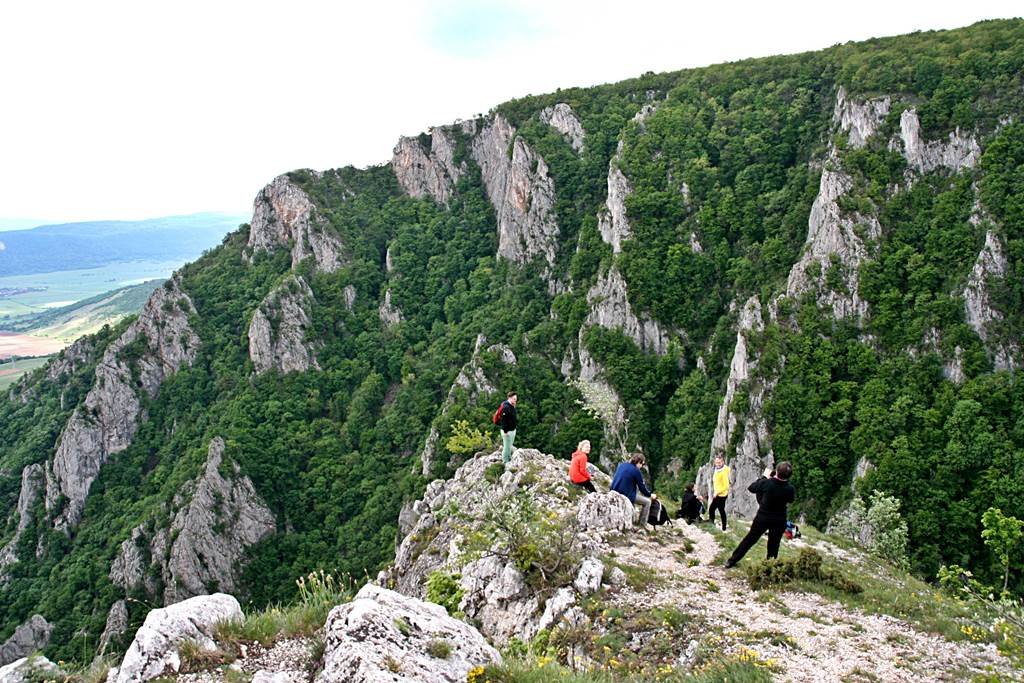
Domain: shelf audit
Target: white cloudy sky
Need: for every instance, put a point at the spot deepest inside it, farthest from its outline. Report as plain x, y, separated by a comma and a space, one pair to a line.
135, 109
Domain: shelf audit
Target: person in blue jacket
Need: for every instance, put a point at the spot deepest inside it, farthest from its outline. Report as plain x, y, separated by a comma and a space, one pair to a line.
629, 481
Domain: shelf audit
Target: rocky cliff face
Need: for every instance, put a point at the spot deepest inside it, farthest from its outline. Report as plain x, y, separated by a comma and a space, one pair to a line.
154, 347
747, 431
956, 153
33, 482
389, 313
428, 173
859, 119
979, 311
28, 638
278, 333
522, 192
217, 517
610, 308
283, 216
562, 118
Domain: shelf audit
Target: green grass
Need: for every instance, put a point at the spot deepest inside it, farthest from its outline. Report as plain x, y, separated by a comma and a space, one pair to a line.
520, 671
19, 368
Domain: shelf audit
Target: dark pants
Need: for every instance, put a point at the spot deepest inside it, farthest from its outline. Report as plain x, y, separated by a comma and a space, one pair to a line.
588, 485
718, 503
775, 529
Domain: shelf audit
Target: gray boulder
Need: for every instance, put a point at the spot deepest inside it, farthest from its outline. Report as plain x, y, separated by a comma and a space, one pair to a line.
29, 669
385, 636
154, 651
30, 637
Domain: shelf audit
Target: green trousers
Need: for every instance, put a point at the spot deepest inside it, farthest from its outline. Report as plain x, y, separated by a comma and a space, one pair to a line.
506, 445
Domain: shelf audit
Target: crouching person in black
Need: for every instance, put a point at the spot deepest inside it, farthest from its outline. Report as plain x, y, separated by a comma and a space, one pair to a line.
774, 493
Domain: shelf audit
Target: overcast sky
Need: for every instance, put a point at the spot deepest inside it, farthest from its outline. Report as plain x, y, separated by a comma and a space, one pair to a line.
140, 109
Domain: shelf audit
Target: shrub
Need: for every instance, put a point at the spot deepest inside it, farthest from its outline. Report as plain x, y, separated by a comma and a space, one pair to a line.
806, 566
494, 471
879, 527
439, 649
443, 589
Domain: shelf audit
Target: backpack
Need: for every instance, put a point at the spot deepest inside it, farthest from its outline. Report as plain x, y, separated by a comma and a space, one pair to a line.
792, 531
658, 514
497, 413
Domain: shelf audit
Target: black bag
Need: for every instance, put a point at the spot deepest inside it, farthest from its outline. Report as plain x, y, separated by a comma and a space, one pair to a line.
658, 514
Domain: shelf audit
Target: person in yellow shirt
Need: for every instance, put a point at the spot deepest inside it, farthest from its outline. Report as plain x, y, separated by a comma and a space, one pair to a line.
719, 490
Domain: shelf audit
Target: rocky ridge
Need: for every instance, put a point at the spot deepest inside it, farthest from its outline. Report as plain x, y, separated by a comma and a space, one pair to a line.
428, 173
562, 118
158, 344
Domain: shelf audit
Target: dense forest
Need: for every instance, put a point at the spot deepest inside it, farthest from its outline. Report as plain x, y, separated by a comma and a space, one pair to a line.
728, 158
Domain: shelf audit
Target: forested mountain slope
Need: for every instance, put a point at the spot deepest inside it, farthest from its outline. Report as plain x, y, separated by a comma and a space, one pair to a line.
814, 257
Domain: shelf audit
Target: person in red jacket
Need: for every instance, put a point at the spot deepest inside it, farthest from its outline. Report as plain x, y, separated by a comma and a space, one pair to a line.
578, 470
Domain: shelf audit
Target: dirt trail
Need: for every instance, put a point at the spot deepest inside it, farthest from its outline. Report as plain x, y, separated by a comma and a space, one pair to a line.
826, 640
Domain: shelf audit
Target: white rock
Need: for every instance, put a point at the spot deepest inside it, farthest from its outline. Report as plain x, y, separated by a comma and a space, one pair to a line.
605, 511
384, 636
33, 481
588, 579
31, 636
389, 314
521, 191
271, 677
112, 411
422, 173
279, 329
957, 153
610, 309
616, 577
860, 120
612, 222
562, 118
29, 669
556, 607
154, 651
283, 215
979, 310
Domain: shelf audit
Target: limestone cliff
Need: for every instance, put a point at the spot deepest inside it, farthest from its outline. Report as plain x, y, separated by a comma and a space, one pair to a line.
979, 310
283, 216
562, 118
158, 344
745, 431
29, 637
956, 153
428, 173
217, 516
280, 327
33, 483
521, 191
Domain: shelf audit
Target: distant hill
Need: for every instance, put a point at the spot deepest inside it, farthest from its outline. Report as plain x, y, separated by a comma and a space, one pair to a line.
67, 246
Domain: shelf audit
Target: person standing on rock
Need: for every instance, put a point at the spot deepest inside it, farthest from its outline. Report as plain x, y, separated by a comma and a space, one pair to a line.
579, 472
775, 493
508, 424
719, 490
629, 481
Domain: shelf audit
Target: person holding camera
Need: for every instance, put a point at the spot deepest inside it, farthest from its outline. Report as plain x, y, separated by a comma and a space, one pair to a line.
774, 494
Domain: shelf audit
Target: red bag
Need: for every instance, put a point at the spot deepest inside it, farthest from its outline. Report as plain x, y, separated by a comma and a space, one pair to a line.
497, 414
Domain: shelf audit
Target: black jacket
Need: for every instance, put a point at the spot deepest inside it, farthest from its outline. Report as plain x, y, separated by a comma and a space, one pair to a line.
773, 496
509, 421
690, 506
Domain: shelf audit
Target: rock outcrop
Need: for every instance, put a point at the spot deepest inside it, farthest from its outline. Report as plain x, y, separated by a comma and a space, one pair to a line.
29, 670
496, 594
116, 626
217, 518
748, 430
158, 344
979, 310
280, 327
155, 650
955, 154
30, 637
521, 191
859, 120
283, 216
562, 118
33, 482
382, 636
610, 309
389, 313
473, 383
427, 173
612, 222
